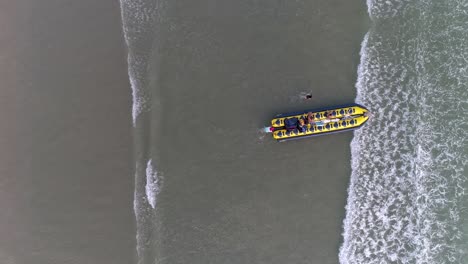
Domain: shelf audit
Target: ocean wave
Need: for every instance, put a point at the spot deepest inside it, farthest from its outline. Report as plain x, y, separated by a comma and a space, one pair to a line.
140, 25
381, 9
408, 181
138, 19
144, 205
153, 184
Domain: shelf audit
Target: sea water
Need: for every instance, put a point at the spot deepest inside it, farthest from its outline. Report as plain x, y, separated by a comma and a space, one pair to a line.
408, 193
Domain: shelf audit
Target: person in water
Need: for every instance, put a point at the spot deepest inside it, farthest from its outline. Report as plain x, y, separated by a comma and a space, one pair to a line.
308, 96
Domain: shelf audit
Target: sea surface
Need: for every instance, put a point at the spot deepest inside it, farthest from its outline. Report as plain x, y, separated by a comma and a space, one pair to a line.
210, 187
66, 184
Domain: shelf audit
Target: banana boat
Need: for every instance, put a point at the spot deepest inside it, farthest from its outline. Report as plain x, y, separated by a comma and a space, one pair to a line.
318, 122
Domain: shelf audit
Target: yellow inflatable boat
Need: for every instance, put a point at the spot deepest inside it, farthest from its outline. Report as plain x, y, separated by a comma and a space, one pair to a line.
318, 122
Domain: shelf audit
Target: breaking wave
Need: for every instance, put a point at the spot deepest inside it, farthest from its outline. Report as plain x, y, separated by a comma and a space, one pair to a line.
153, 184
408, 182
138, 19
140, 27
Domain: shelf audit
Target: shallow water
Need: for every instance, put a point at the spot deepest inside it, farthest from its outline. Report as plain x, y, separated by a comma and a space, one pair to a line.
212, 76
222, 69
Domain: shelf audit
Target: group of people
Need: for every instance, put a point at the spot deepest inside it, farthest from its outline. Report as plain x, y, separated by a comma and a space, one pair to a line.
330, 117
302, 124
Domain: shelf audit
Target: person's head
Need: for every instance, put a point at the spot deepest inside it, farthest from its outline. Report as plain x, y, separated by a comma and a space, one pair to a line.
301, 122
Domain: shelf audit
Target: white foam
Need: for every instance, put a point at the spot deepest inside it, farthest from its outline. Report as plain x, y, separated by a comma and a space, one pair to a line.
138, 19
379, 9
138, 99
153, 184
138, 22
407, 169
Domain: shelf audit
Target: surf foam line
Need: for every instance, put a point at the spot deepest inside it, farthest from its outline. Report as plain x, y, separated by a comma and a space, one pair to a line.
408, 181
138, 21
153, 184
140, 28
145, 213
